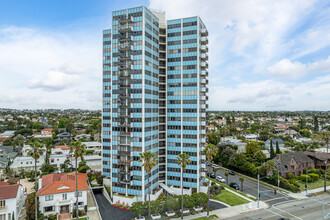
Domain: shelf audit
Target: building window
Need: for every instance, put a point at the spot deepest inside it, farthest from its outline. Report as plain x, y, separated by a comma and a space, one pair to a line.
49, 209
9, 216
79, 194
64, 196
2, 204
49, 197
2, 216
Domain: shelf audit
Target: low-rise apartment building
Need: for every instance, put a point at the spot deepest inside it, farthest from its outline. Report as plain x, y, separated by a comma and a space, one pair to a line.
12, 200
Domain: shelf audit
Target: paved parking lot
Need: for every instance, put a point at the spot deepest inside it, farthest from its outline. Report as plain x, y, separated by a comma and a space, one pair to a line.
251, 188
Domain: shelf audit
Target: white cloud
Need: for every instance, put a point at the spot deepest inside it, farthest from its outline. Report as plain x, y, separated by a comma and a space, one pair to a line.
44, 69
320, 65
288, 69
54, 81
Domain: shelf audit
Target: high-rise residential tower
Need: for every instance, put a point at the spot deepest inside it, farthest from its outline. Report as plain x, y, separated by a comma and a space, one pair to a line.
154, 99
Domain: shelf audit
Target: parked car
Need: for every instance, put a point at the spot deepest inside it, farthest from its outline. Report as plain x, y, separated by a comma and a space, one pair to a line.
220, 179
234, 185
215, 166
231, 172
212, 175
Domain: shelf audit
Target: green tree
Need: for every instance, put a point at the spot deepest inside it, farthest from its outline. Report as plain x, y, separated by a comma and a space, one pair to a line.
24, 131
30, 204
213, 138
268, 167
148, 160
323, 136
263, 135
259, 157
78, 150
227, 175
316, 124
200, 198
183, 161
8, 142
171, 204
11, 125
35, 152
139, 208
272, 152
305, 133
210, 151
49, 144
47, 169
156, 207
278, 151
19, 141
252, 147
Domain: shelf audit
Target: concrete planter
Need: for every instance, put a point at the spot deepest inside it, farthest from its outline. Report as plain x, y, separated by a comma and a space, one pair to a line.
142, 218
185, 211
169, 214
156, 216
198, 209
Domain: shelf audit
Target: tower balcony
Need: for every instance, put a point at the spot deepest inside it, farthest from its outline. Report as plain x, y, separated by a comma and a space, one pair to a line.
204, 73
204, 48
125, 46
204, 64
204, 56
125, 28
204, 81
125, 37
204, 40
204, 32
126, 19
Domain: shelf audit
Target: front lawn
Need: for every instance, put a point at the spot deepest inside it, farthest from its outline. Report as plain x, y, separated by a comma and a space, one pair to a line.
230, 198
317, 184
205, 218
224, 185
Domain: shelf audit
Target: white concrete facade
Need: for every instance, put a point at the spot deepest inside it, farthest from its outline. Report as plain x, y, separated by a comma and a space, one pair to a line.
13, 206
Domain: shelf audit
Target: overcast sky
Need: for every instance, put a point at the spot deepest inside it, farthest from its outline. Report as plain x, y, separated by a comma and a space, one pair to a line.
263, 55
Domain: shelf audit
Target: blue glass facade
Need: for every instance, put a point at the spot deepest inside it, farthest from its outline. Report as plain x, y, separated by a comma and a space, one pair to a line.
154, 99
186, 99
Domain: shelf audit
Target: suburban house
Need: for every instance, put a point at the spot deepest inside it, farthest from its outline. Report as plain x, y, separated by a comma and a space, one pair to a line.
63, 136
293, 162
95, 146
8, 152
47, 131
11, 201
93, 161
26, 163
291, 133
57, 193
320, 159
251, 137
5, 135
58, 155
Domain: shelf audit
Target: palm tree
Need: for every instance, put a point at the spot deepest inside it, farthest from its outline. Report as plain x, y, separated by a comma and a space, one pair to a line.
49, 144
323, 136
210, 151
148, 160
35, 152
242, 180
183, 160
226, 174
78, 150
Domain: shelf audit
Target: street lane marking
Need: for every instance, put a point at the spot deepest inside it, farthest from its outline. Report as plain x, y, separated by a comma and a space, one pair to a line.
275, 213
287, 213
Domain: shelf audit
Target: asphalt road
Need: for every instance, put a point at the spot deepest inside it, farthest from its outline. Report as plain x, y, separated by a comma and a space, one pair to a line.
305, 209
251, 188
109, 212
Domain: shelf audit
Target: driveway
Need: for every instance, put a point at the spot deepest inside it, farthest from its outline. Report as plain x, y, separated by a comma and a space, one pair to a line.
251, 188
109, 212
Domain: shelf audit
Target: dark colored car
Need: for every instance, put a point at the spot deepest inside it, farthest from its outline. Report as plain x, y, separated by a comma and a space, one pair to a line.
234, 185
212, 175
231, 172
283, 219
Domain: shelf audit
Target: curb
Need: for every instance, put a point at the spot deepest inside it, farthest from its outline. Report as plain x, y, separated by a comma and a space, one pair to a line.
120, 208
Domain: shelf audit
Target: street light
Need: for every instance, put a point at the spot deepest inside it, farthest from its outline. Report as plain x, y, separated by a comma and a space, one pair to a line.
325, 175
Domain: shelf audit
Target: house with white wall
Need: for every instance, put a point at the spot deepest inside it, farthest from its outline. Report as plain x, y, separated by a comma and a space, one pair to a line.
26, 163
12, 200
58, 155
57, 193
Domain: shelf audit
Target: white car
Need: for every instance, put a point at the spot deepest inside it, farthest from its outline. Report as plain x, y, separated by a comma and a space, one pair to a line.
220, 179
215, 166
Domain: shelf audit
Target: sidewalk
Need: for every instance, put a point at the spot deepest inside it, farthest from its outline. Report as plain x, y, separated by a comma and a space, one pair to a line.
302, 195
230, 211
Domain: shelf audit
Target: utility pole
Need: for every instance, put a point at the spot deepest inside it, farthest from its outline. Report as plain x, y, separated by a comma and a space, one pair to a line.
258, 192
325, 176
323, 211
278, 179
306, 185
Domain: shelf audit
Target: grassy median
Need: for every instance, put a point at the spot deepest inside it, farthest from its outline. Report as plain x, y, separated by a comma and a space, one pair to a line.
230, 198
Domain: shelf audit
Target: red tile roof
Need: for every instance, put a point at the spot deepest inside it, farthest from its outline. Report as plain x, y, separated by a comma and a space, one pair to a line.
8, 191
47, 129
64, 147
53, 183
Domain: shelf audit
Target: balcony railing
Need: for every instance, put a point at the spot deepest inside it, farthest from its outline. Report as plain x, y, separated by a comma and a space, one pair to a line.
3, 208
204, 32
126, 19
